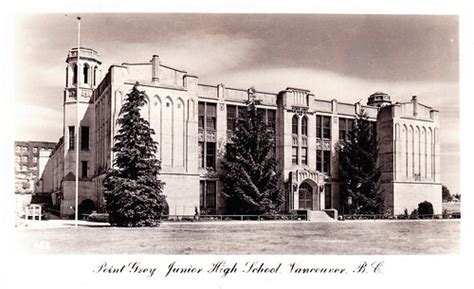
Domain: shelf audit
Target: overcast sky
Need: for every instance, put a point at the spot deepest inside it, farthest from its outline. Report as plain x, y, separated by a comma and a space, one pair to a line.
346, 57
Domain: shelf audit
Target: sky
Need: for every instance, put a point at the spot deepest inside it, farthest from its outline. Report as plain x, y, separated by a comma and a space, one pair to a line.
347, 57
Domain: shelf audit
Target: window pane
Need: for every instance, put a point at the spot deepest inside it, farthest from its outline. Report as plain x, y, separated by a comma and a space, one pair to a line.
210, 155
342, 129
327, 196
202, 205
318, 161
304, 156
210, 116
201, 154
201, 114
326, 127
294, 155
294, 125
84, 169
327, 161
318, 126
271, 118
231, 116
304, 126
211, 196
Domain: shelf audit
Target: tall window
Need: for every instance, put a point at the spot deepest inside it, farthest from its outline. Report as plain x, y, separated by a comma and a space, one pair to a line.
231, 117
210, 155
304, 126
95, 75
323, 161
84, 169
201, 115
211, 116
323, 126
294, 155
345, 128
271, 117
294, 131
327, 127
71, 137
327, 196
207, 155
207, 196
304, 155
86, 73
74, 74
84, 138
294, 125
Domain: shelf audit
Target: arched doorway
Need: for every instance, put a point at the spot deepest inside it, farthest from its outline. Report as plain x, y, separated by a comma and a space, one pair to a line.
305, 196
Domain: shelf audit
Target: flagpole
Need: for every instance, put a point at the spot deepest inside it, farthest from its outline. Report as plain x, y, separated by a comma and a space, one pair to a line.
78, 82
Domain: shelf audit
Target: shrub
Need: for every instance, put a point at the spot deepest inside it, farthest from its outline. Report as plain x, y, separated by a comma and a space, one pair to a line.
97, 217
425, 209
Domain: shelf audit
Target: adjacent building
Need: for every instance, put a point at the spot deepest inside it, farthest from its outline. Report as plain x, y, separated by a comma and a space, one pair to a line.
30, 160
193, 122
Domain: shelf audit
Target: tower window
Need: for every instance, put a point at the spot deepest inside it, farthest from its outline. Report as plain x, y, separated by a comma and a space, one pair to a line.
86, 73
74, 74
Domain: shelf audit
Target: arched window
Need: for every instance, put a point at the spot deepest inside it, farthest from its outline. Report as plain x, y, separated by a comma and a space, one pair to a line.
86, 73
304, 126
95, 76
294, 125
74, 74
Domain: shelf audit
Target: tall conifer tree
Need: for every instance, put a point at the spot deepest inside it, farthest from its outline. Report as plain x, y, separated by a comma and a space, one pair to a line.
359, 170
132, 189
250, 177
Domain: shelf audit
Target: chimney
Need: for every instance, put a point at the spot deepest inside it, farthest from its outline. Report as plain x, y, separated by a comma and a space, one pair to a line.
155, 68
414, 100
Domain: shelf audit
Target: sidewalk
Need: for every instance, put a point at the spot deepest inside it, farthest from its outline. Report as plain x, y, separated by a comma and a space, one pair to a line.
55, 224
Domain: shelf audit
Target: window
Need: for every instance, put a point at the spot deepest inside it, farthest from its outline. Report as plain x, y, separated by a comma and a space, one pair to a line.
86, 73
84, 169
210, 155
74, 74
304, 155
323, 161
271, 116
207, 155
294, 155
71, 137
304, 126
207, 196
319, 161
327, 162
294, 125
327, 196
327, 127
231, 117
323, 126
95, 75
201, 115
318, 126
342, 129
84, 138
211, 116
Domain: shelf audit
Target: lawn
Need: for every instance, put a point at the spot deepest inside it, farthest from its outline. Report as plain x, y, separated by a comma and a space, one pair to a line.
266, 237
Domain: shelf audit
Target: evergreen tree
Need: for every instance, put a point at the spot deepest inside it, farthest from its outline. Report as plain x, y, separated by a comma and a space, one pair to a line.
251, 181
132, 189
358, 168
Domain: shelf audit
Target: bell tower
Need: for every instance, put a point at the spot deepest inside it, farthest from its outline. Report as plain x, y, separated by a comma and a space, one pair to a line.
83, 74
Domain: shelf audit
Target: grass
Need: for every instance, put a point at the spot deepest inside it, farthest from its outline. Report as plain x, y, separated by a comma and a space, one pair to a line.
350, 237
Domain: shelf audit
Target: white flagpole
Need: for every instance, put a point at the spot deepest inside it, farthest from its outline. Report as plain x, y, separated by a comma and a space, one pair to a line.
78, 82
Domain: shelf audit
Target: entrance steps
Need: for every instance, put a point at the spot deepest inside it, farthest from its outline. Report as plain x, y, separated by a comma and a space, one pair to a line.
319, 216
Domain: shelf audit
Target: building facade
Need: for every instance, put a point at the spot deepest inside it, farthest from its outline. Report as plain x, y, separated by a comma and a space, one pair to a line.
193, 122
30, 160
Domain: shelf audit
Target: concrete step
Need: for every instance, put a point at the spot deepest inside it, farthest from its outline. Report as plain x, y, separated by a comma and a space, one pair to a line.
319, 216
